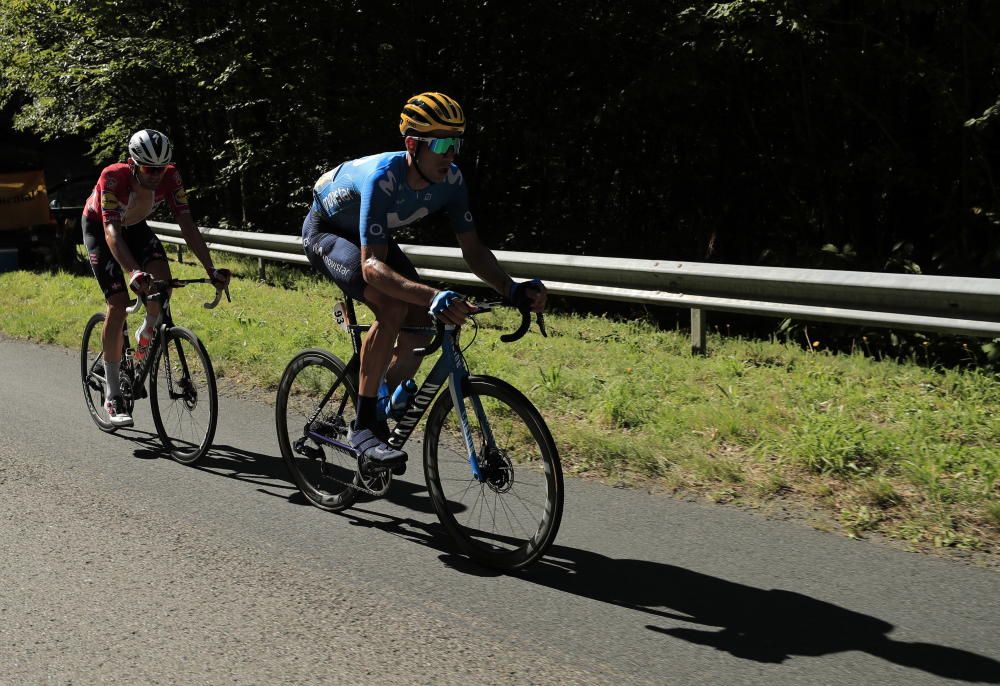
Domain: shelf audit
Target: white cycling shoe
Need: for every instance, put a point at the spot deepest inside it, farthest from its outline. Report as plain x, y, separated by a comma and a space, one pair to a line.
117, 414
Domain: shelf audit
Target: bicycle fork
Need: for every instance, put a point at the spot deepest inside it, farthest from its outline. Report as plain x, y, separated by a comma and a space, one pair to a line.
459, 375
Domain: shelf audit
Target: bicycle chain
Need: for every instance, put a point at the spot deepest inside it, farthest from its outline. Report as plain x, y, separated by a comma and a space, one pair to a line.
357, 487
363, 489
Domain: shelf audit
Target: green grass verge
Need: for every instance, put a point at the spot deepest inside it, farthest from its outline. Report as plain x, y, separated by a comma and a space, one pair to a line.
878, 446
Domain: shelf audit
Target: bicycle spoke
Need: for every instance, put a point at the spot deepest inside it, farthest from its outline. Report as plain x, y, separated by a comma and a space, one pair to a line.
512, 513
314, 397
183, 396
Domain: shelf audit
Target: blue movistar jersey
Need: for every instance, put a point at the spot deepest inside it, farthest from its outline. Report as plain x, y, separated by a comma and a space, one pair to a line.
369, 196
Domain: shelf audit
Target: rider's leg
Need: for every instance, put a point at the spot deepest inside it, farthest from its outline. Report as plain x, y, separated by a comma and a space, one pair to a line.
377, 348
111, 341
375, 353
404, 363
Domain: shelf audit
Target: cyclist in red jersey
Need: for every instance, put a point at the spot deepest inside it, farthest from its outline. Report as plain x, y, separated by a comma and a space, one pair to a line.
118, 238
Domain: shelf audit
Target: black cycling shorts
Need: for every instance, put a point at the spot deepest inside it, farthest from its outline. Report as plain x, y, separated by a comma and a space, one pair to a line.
339, 257
139, 238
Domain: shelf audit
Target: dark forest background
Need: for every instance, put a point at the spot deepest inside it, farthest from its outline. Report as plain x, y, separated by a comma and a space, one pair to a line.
818, 133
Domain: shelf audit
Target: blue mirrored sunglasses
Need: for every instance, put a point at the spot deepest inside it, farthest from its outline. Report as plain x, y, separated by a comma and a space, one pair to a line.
441, 146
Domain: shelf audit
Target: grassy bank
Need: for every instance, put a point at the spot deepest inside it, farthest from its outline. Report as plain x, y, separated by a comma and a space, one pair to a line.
851, 443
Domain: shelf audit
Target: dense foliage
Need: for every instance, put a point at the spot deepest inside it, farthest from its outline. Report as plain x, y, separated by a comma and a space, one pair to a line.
809, 133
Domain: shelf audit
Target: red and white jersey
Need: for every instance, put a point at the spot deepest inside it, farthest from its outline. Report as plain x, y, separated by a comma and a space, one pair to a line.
114, 198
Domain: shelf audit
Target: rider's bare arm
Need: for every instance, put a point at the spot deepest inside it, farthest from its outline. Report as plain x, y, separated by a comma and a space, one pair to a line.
483, 262
381, 276
115, 236
194, 239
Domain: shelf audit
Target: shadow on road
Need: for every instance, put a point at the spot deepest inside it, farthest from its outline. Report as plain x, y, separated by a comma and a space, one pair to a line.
266, 470
764, 625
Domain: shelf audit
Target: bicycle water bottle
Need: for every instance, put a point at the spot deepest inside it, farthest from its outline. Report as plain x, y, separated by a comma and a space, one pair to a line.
382, 409
401, 397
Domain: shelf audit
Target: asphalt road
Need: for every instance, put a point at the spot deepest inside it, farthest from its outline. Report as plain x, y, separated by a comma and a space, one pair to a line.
121, 566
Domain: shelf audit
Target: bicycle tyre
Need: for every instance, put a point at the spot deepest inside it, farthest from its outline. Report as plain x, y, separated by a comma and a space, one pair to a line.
306, 379
189, 438
517, 425
93, 383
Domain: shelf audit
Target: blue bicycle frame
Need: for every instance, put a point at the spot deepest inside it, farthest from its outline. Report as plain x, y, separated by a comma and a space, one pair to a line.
449, 367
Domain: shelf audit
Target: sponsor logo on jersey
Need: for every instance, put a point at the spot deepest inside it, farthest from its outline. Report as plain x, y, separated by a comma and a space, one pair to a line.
109, 201
395, 220
342, 196
468, 216
388, 184
111, 182
375, 229
336, 266
454, 175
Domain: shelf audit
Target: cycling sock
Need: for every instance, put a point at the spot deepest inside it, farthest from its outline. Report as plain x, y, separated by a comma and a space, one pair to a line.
366, 412
112, 380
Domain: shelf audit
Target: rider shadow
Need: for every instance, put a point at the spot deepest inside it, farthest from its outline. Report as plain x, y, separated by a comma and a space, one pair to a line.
763, 625
245, 465
430, 534
252, 467
412, 496
222, 460
151, 448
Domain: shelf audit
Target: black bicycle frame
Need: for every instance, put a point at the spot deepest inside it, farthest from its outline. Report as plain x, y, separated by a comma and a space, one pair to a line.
142, 369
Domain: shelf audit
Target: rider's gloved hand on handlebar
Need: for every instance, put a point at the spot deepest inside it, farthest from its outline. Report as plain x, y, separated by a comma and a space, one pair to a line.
532, 293
140, 281
220, 277
450, 307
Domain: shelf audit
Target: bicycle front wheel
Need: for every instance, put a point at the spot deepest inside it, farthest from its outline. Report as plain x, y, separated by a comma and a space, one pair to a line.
315, 404
92, 373
183, 396
508, 517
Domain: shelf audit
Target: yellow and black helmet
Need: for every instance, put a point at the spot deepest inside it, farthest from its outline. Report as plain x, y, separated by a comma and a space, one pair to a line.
431, 112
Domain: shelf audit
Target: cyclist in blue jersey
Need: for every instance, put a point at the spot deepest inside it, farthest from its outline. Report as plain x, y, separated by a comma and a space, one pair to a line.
347, 236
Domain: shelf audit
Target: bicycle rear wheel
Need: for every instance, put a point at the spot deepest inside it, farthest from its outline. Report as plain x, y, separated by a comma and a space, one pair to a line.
92, 373
315, 404
508, 519
183, 395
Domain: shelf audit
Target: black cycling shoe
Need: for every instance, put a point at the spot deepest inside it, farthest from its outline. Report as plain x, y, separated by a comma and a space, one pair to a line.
382, 433
376, 453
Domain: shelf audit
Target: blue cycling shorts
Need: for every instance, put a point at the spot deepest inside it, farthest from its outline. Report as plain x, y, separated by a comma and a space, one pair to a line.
339, 257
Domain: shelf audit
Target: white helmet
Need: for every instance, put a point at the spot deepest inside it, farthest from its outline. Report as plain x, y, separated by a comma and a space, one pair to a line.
151, 148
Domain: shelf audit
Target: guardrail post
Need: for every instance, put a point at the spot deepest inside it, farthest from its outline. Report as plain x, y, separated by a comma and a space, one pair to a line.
699, 322
180, 254
260, 269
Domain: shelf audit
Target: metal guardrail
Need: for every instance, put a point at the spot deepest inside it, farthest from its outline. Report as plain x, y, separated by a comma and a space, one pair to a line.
944, 304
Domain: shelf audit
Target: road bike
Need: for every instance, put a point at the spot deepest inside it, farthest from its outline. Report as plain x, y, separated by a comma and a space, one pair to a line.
182, 392
491, 467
